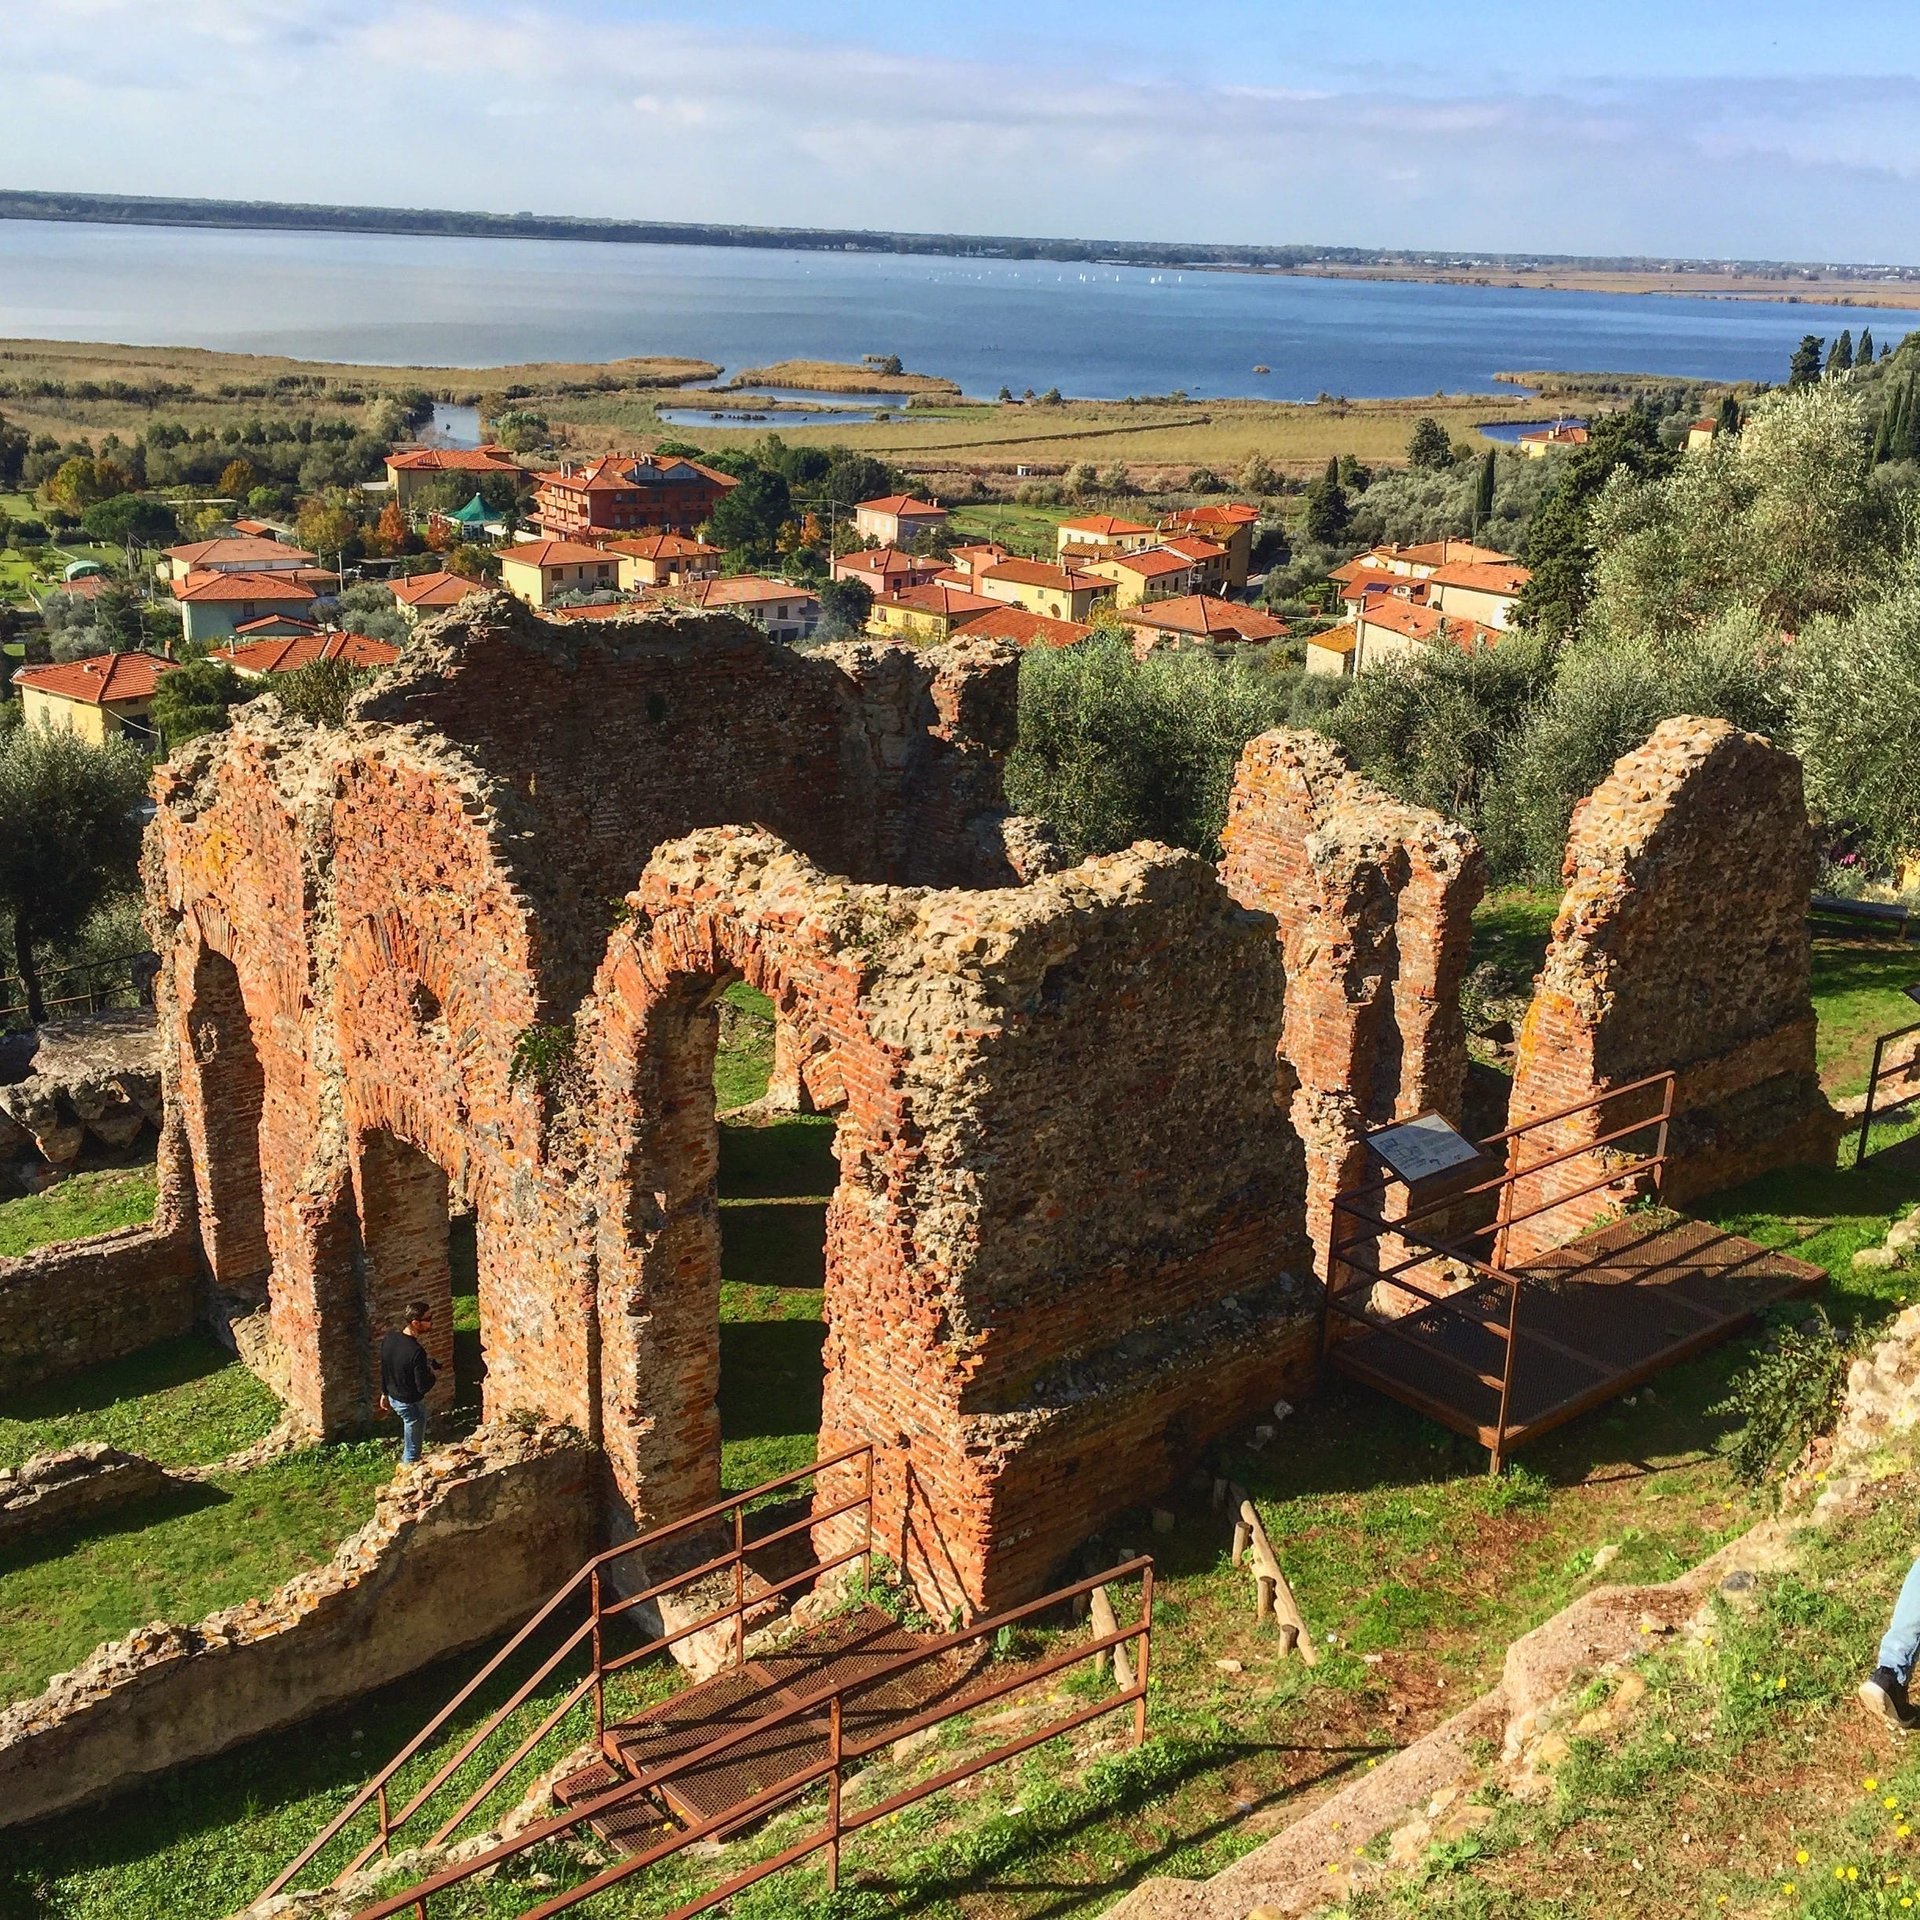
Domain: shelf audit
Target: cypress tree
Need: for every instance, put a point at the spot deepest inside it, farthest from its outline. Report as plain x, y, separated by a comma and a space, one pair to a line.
1883, 429
1729, 421
1483, 493
1804, 368
1864, 358
1840, 360
1906, 444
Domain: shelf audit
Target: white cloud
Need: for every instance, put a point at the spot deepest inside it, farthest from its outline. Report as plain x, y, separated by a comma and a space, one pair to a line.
510, 104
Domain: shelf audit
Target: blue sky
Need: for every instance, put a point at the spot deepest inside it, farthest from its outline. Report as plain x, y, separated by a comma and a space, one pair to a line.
1693, 126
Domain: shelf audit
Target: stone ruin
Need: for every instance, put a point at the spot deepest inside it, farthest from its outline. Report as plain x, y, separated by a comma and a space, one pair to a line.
464, 954
1681, 943
89, 1082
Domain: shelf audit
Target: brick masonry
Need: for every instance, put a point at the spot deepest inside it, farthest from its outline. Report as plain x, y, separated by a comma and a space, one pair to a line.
1681, 943
1066, 1248
1374, 902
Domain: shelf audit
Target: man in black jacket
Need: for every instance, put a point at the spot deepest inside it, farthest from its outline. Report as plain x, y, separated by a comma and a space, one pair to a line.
406, 1378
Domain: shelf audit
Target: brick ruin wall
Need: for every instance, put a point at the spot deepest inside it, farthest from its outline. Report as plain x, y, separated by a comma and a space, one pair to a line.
1374, 902
1042, 1298
1064, 1252
1682, 942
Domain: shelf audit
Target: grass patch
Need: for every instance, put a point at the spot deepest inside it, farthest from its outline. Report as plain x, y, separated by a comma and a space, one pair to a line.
184, 1403
1859, 988
177, 1557
84, 1204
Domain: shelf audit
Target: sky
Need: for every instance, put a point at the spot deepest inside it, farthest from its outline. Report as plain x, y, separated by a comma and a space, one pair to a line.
1695, 127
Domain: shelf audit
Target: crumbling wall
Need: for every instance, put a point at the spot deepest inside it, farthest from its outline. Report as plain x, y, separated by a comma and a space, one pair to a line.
53, 1489
1681, 943
1066, 1245
460, 1547
1374, 903
81, 1302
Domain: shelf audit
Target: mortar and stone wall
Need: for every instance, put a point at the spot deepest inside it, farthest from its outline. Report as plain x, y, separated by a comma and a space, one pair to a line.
1374, 903
1066, 1247
1682, 942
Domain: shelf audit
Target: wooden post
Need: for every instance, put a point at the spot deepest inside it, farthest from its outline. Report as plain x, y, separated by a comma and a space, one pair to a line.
1105, 1623
1146, 1652
1273, 1595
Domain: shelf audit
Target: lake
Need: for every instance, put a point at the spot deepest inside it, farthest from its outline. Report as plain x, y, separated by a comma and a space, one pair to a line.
1096, 332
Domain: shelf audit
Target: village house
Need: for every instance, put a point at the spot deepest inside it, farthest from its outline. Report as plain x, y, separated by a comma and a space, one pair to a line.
100, 699
1026, 629
622, 493
1229, 524
1480, 590
886, 571
1536, 446
1152, 573
1097, 536
212, 605
1332, 654
1700, 434
1392, 629
539, 571
897, 519
781, 611
419, 594
967, 561
233, 553
664, 560
1061, 593
928, 614
259, 658
1200, 619
275, 626
413, 468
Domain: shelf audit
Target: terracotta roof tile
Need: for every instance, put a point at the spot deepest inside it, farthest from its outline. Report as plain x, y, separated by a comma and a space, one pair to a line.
296, 588
302, 650
436, 589
552, 553
1025, 629
100, 679
238, 550
487, 459
1206, 614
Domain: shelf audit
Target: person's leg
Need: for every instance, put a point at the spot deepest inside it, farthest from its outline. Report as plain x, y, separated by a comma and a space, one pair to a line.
1902, 1642
413, 1428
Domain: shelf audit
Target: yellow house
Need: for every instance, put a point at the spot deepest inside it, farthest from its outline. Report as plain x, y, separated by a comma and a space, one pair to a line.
1230, 524
234, 553
925, 616
540, 571
99, 698
1139, 578
419, 594
1700, 434
1061, 593
1334, 652
1103, 533
1484, 590
664, 560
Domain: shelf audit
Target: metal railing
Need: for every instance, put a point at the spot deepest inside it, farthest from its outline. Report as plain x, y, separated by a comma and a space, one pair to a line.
94, 997
829, 1768
1885, 1072
1491, 1285
603, 1603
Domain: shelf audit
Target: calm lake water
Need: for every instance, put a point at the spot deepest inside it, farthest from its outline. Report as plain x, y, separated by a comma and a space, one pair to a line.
1099, 332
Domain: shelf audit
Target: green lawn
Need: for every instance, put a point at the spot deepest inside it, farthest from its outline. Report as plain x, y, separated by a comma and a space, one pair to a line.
1858, 986
85, 1203
185, 1403
1029, 530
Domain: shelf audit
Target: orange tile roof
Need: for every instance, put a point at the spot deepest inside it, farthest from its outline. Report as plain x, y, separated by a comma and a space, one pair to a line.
899, 503
488, 459
1425, 623
551, 553
1558, 436
884, 560
1104, 526
739, 590
992, 548
278, 620
236, 550
295, 588
436, 589
1151, 561
1483, 576
1230, 513
1340, 639
99, 680
613, 610
1036, 573
943, 596
1206, 613
664, 546
1195, 546
302, 650
1025, 629
614, 471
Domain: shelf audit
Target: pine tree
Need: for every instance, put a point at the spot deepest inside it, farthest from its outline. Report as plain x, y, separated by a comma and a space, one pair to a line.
1864, 358
1804, 368
1840, 360
1483, 494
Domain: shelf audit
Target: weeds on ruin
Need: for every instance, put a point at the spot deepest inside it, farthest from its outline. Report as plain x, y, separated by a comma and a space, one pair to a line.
1788, 1394
545, 1056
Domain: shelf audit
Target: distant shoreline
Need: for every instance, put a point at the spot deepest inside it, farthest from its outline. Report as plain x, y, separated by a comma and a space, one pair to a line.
1783, 282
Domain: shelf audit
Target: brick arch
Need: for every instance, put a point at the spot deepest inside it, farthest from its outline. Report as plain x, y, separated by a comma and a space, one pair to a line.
651, 1029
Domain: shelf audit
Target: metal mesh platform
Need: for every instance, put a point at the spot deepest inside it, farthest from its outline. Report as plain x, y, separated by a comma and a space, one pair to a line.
1595, 1318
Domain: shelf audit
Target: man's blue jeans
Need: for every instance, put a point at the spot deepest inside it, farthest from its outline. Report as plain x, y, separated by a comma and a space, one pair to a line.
413, 1431
1902, 1644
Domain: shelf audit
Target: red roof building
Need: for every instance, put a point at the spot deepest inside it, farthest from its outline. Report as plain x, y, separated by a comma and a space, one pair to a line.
288, 655
897, 518
1200, 617
213, 605
623, 493
1026, 629
419, 594
99, 698
235, 553
886, 570
415, 467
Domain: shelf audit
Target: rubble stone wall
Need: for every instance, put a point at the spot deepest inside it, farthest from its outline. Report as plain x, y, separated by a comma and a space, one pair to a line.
1682, 943
1374, 905
1045, 1293
458, 1548
53, 1488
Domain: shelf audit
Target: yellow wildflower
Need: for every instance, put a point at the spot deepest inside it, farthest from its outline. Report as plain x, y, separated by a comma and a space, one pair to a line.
1801, 1857
1870, 1783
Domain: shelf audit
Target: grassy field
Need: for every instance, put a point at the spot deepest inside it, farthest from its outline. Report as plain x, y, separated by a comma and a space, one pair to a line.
82, 1204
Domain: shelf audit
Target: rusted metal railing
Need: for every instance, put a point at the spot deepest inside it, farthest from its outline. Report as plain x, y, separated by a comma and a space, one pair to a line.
1883, 1072
839, 1756
602, 1602
1491, 1298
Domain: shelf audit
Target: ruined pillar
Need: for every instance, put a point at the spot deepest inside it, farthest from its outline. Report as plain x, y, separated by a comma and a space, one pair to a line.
1681, 943
1375, 902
